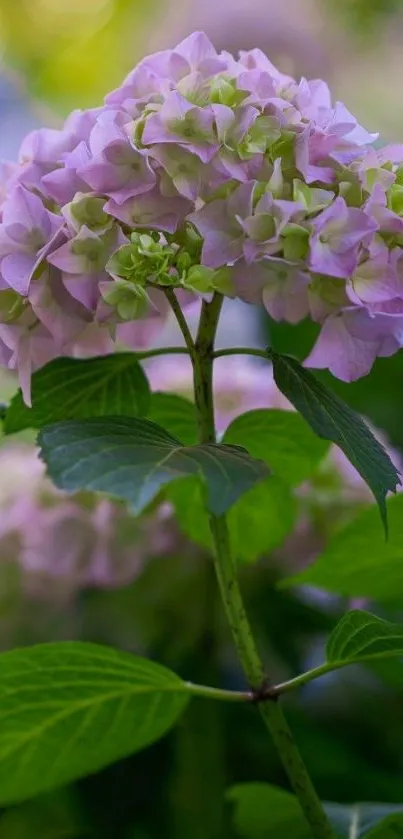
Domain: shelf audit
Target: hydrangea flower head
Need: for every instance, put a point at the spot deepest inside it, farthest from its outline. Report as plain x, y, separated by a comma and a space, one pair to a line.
203, 171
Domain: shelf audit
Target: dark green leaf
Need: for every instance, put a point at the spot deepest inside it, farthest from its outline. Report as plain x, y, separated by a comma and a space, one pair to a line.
262, 810
360, 635
71, 388
357, 562
332, 419
132, 459
176, 414
258, 522
68, 709
282, 439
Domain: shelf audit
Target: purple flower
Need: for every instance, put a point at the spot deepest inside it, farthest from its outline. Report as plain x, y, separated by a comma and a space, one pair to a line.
265, 226
219, 222
350, 341
337, 234
151, 210
27, 233
235, 166
82, 261
178, 121
115, 167
280, 286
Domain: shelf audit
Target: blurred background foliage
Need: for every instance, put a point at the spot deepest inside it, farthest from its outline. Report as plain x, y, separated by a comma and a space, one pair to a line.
61, 54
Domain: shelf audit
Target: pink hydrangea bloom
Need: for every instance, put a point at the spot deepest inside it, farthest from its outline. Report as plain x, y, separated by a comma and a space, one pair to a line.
224, 162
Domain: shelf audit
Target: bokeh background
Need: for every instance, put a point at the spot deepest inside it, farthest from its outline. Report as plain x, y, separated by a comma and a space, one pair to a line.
56, 55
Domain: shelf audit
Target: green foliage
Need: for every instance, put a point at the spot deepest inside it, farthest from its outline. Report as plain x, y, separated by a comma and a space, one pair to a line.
68, 709
282, 439
259, 521
360, 635
262, 810
132, 459
70, 388
333, 420
357, 562
176, 414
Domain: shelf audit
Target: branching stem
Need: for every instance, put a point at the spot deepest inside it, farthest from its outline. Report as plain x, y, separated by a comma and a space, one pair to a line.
202, 354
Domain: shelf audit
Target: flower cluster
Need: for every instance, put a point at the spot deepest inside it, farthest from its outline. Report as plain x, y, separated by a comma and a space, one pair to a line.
202, 172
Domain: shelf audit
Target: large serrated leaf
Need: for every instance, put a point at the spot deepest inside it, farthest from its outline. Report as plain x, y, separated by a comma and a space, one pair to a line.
132, 459
68, 709
282, 439
71, 388
357, 562
263, 810
332, 419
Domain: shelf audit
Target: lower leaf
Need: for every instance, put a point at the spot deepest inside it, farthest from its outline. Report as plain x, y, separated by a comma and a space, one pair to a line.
68, 709
263, 810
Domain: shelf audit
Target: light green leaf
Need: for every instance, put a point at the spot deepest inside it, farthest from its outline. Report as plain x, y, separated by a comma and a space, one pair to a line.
132, 459
68, 709
358, 638
176, 414
258, 522
332, 419
357, 562
361, 636
71, 388
262, 810
282, 439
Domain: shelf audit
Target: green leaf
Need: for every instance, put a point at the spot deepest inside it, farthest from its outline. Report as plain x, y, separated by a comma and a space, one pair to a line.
71, 388
68, 709
262, 810
332, 419
361, 636
258, 522
132, 459
176, 414
358, 638
357, 562
282, 439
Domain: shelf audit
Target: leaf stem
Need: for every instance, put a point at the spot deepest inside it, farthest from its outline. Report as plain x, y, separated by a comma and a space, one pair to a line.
140, 355
327, 667
226, 572
182, 322
241, 351
219, 693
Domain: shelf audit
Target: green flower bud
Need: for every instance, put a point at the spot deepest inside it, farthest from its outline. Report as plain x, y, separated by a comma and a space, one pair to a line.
130, 301
88, 210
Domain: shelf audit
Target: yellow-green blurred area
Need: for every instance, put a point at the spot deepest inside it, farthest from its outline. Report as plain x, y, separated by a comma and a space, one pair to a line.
68, 53
68, 50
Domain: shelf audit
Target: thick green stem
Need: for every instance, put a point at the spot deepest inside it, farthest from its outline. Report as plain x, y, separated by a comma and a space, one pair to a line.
270, 709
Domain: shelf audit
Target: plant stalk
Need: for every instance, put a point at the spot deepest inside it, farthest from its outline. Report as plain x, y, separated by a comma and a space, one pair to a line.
270, 709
